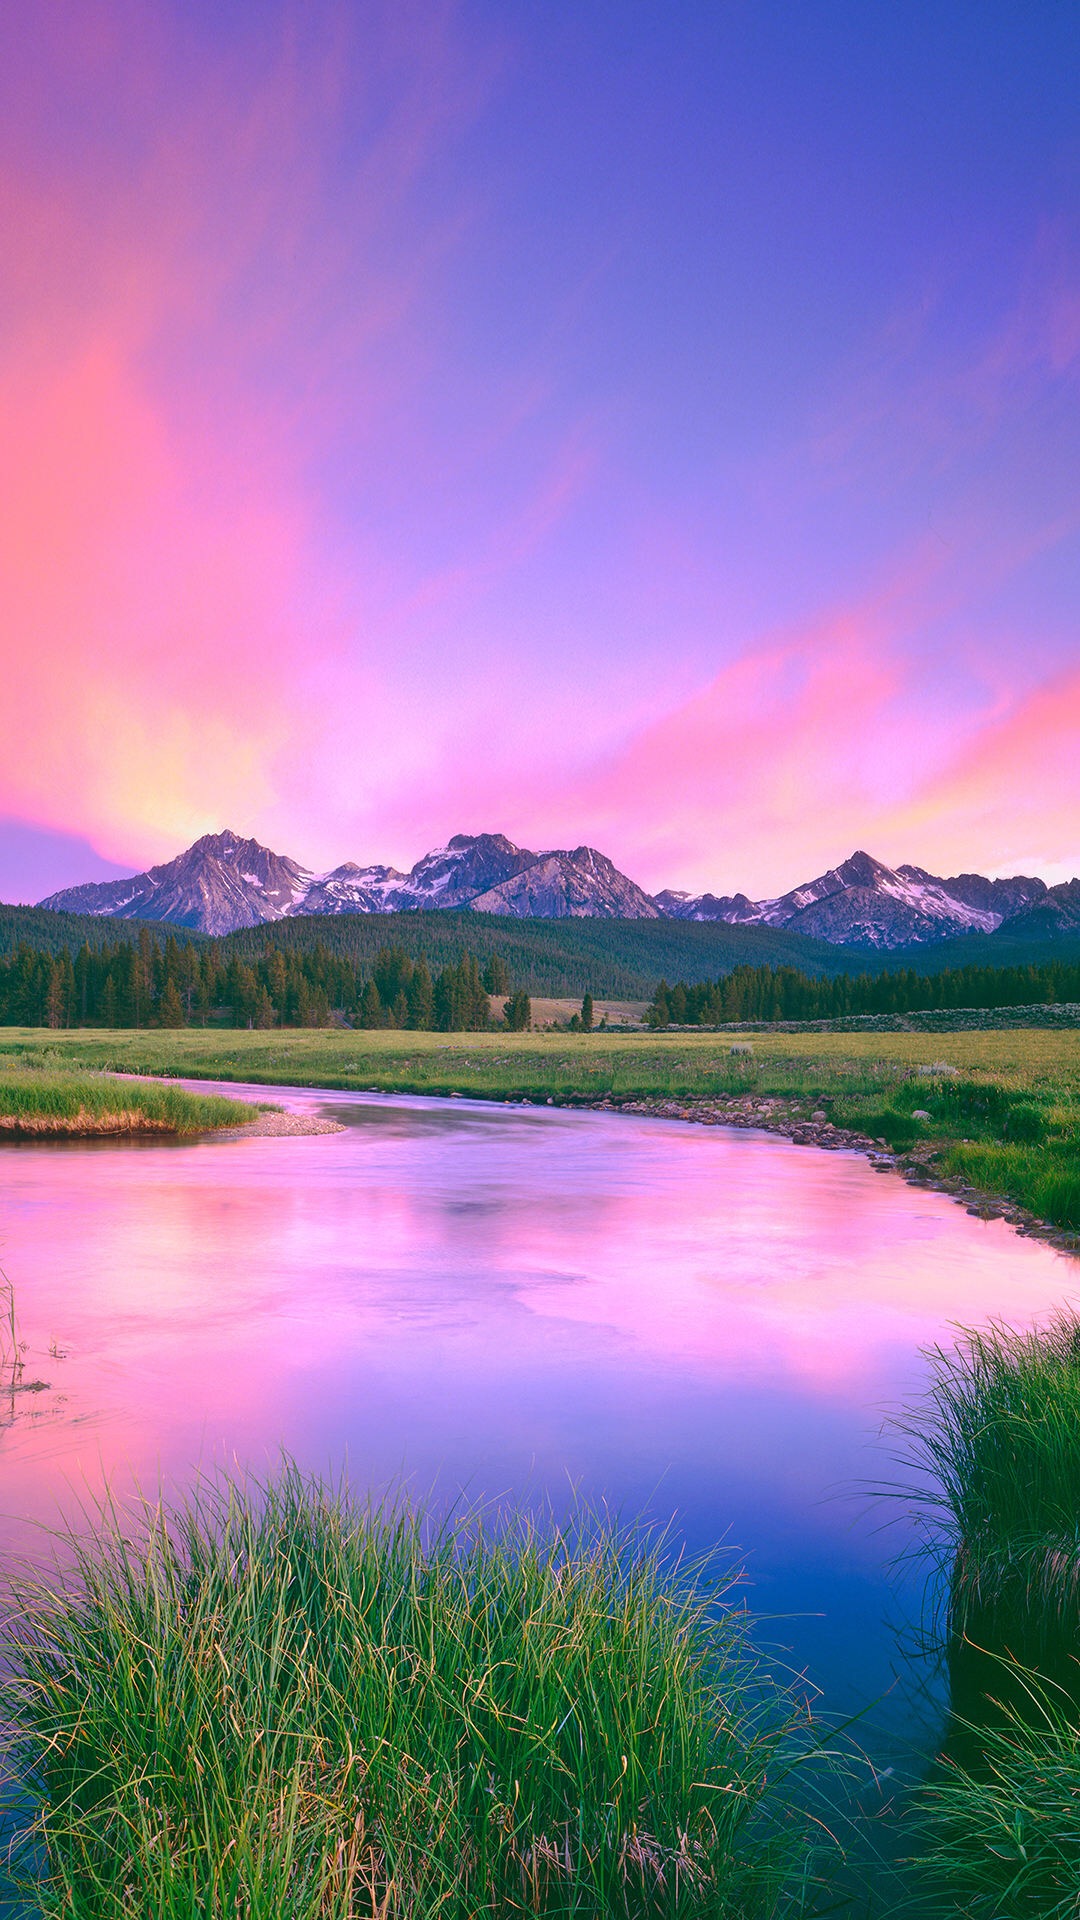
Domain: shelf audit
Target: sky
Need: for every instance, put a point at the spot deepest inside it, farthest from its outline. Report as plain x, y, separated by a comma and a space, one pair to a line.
650, 425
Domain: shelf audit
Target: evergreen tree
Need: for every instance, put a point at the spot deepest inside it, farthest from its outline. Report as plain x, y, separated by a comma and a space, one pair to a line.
587, 1013
54, 996
371, 1007
518, 1015
420, 996
84, 974
391, 973
658, 1013
171, 1011
142, 978
461, 1005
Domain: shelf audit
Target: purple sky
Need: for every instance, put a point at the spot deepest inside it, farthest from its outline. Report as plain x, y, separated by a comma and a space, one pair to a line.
649, 425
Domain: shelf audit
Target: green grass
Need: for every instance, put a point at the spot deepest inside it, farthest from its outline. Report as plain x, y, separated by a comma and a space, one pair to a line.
274, 1702
1044, 1179
1000, 1436
1003, 1837
60, 1100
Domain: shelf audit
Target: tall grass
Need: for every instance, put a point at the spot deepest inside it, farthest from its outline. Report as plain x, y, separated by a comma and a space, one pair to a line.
1003, 1833
1000, 1433
66, 1101
276, 1703
1000, 1436
1044, 1179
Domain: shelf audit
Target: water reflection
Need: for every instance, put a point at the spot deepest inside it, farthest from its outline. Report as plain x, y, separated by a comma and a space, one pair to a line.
700, 1322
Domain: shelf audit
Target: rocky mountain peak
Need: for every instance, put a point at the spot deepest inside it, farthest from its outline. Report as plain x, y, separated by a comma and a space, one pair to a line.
225, 881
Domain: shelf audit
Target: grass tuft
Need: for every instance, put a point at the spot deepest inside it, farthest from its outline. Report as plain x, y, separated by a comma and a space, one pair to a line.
274, 1701
1004, 1831
1000, 1435
50, 1099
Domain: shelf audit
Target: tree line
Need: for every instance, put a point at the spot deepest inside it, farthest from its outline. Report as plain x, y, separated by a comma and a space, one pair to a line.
783, 993
149, 982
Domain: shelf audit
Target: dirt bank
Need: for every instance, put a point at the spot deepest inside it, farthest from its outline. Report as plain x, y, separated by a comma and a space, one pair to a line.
81, 1125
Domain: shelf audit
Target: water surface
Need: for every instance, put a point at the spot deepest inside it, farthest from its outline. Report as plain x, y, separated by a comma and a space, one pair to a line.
704, 1324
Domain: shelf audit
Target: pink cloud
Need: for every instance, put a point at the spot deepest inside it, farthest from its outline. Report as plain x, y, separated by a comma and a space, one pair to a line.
1013, 791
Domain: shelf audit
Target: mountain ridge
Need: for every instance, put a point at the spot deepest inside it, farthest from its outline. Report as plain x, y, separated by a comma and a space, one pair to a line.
224, 882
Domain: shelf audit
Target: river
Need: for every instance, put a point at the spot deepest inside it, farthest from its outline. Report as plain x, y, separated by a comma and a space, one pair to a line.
707, 1326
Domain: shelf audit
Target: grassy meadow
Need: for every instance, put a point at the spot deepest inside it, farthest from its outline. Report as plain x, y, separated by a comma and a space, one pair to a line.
1002, 1108
277, 1702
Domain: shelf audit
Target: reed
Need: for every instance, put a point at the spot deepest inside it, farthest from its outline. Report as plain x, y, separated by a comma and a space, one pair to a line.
1003, 1838
274, 1701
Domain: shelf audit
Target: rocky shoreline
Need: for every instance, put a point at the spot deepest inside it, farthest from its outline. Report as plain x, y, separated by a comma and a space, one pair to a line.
790, 1119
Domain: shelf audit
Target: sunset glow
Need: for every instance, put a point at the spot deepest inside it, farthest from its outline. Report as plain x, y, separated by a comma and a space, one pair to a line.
649, 427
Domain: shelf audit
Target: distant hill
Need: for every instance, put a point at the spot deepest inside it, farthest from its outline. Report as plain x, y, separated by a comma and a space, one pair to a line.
616, 959
1043, 945
50, 932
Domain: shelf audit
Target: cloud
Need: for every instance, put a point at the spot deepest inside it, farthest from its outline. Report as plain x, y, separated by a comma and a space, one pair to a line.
1012, 794
34, 862
202, 299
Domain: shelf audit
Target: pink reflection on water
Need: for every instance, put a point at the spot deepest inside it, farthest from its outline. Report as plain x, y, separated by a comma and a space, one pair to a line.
761, 1261
451, 1285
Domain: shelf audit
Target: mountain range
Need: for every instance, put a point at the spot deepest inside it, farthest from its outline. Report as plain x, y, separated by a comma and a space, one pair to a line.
225, 882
